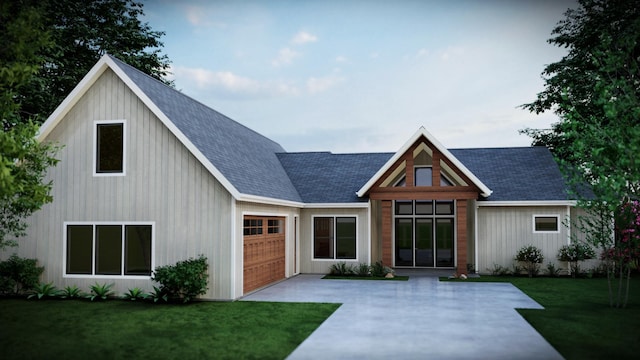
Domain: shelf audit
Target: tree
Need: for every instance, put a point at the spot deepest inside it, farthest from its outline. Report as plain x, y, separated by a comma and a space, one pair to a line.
23, 160
595, 91
82, 31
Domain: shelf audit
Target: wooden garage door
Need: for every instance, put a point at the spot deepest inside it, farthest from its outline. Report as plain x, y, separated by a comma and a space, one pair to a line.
264, 252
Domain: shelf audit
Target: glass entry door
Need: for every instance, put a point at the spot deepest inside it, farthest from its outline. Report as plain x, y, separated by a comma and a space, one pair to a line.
424, 237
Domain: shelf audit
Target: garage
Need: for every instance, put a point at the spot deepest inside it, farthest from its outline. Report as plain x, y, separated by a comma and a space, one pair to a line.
264, 251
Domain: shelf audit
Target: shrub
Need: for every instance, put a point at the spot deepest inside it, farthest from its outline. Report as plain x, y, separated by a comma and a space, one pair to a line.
100, 292
42, 291
135, 294
498, 270
531, 257
341, 269
157, 294
363, 270
19, 275
379, 270
552, 270
574, 253
70, 292
185, 280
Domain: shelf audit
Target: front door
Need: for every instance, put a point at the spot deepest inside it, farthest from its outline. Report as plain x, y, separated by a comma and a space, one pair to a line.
424, 238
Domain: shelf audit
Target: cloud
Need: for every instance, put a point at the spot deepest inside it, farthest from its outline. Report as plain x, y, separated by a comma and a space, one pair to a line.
303, 37
285, 57
341, 59
230, 83
318, 85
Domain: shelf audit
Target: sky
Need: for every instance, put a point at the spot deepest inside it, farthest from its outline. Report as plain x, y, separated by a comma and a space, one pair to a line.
363, 76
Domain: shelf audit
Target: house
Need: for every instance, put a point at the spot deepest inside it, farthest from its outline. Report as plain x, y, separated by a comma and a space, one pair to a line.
149, 176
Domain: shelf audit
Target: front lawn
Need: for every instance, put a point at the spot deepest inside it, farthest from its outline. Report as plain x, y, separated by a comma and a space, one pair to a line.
118, 329
577, 319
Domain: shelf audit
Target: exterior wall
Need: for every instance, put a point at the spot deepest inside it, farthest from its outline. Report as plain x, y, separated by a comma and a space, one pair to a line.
307, 263
502, 231
164, 184
577, 235
292, 246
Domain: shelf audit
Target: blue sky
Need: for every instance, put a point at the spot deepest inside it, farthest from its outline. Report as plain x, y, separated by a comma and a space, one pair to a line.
363, 76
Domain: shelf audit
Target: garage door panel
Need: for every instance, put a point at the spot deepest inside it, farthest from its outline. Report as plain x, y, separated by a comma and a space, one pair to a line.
264, 251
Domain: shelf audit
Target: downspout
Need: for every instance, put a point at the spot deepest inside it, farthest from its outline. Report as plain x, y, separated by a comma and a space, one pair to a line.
369, 229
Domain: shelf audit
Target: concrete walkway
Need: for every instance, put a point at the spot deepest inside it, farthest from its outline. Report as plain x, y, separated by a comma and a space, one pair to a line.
422, 318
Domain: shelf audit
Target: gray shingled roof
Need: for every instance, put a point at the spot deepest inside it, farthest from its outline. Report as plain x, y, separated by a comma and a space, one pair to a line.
256, 165
245, 158
514, 174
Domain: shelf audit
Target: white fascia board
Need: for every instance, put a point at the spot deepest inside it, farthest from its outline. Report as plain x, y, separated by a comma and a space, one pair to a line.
268, 201
174, 129
87, 81
357, 205
527, 203
485, 191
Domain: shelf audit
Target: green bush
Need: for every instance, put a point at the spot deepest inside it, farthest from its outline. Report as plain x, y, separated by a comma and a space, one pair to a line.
183, 281
552, 270
100, 292
135, 294
362, 270
498, 270
19, 275
379, 270
70, 292
43, 291
574, 253
341, 269
531, 257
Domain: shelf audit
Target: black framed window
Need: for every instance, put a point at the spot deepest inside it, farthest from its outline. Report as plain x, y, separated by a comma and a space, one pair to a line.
109, 148
334, 237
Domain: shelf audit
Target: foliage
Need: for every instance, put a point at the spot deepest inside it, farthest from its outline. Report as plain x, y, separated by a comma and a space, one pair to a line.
100, 292
574, 253
341, 268
185, 280
135, 294
362, 270
42, 290
531, 257
380, 270
70, 292
552, 270
157, 294
498, 270
23, 165
19, 275
23, 161
83, 31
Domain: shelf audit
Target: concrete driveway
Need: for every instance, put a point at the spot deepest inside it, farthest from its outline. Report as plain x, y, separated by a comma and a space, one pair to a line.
422, 318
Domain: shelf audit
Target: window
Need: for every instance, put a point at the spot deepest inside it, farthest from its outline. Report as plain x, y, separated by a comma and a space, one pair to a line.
109, 249
546, 223
252, 227
274, 226
109, 148
424, 176
334, 237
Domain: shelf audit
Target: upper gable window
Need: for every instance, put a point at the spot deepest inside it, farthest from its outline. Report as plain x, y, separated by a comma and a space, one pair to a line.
546, 223
109, 148
424, 176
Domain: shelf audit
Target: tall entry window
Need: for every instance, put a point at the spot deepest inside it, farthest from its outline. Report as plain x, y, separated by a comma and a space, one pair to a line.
424, 233
334, 237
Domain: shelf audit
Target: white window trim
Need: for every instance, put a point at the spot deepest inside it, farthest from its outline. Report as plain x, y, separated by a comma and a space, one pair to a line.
334, 216
124, 147
533, 223
93, 258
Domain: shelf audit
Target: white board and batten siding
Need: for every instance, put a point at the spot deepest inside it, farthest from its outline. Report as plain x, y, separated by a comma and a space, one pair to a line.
164, 184
502, 231
308, 264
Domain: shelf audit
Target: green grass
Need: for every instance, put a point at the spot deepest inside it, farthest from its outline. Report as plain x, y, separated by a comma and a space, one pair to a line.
75, 329
353, 277
577, 319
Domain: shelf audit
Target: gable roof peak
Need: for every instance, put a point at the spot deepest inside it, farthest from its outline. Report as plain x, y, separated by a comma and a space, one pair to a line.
422, 132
